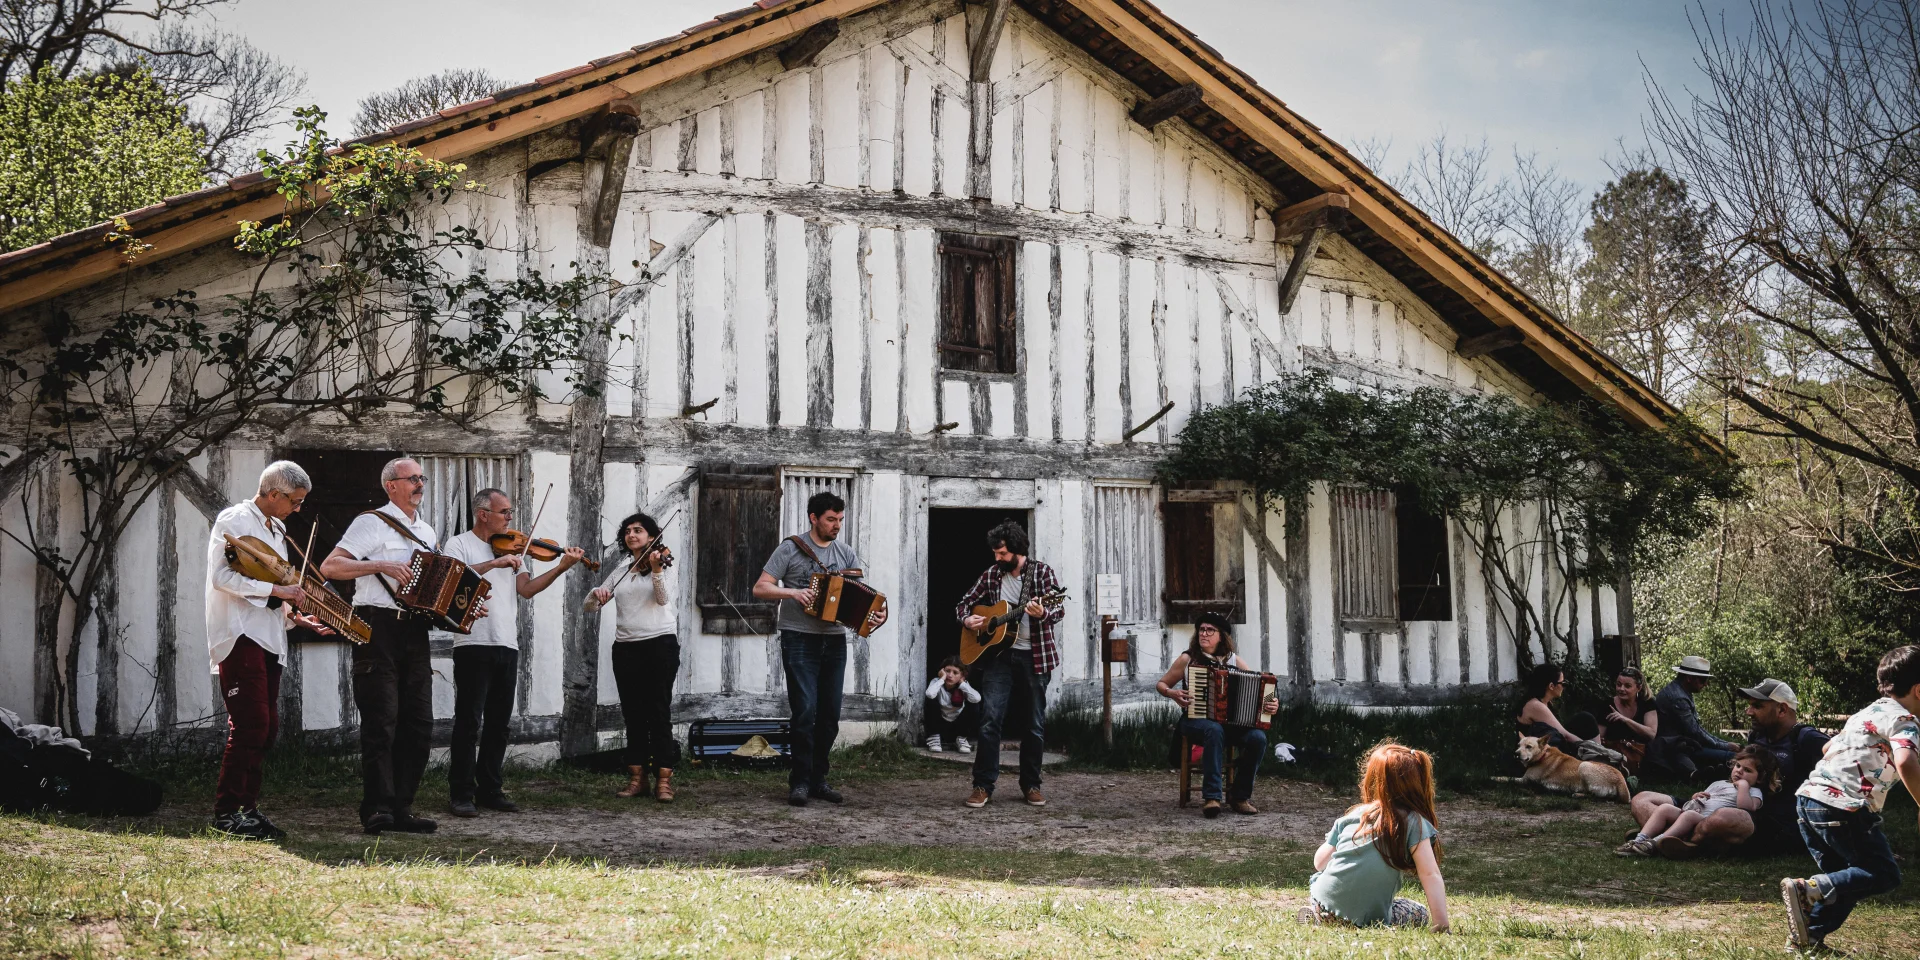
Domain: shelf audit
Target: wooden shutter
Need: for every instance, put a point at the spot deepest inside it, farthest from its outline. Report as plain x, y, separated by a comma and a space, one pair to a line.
978, 317
739, 519
1123, 542
1366, 567
1191, 525
1426, 579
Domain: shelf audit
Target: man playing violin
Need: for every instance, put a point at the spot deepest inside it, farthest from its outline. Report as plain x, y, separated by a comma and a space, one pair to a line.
247, 644
486, 662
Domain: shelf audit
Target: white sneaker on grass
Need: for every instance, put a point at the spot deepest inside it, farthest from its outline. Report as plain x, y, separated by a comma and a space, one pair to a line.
1800, 896
933, 744
964, 744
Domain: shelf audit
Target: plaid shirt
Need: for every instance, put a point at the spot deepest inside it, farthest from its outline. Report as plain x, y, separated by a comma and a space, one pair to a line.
1037, 578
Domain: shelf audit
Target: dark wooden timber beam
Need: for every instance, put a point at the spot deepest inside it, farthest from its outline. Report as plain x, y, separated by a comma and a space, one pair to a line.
986, 38
806, 48
1167, 105
1327, 209
1310, 220
1485, 343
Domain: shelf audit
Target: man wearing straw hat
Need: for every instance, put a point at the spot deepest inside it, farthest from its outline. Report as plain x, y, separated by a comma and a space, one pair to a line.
1685, 748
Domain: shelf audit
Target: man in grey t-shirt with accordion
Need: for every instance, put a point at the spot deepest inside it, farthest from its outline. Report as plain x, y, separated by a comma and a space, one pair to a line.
813, 651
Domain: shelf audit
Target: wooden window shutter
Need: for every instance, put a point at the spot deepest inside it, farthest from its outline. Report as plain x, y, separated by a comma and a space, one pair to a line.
738, 528
1426, 578
978, 317
1366, 564
1190, 534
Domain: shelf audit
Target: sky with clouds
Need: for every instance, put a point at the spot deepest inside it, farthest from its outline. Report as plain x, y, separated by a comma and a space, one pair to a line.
1565, 78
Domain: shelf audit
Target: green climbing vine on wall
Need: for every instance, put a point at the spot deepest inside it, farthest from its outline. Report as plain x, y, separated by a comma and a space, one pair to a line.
1571, 485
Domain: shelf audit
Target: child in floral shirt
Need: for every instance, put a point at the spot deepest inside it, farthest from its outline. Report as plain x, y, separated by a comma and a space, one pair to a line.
1840, 805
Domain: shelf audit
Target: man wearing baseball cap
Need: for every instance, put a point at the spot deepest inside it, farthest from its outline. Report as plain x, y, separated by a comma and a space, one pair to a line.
1684, 748
1773, 715
1774, 723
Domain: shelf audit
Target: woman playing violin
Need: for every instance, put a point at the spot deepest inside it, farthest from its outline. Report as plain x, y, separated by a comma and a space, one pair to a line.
646, 654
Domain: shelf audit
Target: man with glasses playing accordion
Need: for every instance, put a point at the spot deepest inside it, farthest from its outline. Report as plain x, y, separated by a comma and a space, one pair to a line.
392, 676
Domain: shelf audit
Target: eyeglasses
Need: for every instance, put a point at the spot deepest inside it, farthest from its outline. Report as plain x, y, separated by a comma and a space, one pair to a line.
508, 513
418, 480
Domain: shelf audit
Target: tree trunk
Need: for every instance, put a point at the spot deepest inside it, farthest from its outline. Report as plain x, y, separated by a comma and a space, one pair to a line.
602, 180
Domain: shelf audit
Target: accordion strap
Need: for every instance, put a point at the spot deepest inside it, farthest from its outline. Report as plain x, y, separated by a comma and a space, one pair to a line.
409, 534
800, 544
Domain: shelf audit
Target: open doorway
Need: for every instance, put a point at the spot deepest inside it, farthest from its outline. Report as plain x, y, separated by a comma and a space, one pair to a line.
956, 553
346, 483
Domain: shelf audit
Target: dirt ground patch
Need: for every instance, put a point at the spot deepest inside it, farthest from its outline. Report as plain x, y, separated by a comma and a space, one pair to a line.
1130, 814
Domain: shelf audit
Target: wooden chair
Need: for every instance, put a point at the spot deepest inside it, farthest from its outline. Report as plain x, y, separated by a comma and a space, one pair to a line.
1186, 770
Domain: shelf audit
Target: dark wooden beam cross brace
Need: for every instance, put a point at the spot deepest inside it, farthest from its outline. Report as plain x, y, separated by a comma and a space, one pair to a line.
806, 48
1310, 220
986, 39
1480, 345
1168, 105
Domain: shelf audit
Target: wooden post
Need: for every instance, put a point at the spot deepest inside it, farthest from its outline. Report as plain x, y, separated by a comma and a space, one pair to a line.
1112, 650
1106, 679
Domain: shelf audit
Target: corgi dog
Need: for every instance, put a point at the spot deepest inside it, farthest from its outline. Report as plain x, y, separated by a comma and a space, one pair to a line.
1550, 768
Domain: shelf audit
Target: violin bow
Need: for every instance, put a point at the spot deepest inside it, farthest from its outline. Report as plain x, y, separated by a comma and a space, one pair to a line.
307, 554
536, 522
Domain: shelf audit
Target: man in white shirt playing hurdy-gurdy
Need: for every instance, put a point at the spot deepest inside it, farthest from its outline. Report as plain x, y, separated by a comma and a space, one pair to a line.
247, 644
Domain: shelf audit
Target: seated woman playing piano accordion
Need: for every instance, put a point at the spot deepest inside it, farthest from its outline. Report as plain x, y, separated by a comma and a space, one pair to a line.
1212, 646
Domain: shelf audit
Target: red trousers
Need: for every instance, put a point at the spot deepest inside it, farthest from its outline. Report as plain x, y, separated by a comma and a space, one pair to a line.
250, 687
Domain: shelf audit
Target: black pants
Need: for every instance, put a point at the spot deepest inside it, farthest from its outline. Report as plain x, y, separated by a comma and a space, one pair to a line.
483, 679
393, 689
643, 671
964, 724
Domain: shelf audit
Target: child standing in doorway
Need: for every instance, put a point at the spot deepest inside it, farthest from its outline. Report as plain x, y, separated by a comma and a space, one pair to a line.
1390, 833
951, 712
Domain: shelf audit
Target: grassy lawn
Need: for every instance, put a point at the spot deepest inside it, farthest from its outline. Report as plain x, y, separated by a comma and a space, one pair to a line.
1530, 877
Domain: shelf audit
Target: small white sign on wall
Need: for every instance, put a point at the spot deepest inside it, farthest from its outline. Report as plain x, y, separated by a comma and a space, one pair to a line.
1106, 601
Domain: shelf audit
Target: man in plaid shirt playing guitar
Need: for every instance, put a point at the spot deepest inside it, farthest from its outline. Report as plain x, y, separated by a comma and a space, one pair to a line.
1022, 667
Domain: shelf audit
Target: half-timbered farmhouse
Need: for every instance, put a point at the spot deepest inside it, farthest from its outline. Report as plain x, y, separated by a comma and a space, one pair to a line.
956, 261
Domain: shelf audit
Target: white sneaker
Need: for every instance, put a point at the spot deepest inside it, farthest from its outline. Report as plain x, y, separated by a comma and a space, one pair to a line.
933, 744
964, 744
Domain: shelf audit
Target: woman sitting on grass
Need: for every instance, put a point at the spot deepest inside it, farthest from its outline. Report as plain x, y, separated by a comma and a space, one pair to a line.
1390, 833
1544, 684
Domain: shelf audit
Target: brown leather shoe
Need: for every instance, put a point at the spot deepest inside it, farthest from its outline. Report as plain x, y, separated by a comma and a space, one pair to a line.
978, 798
1245, 806
636, 783
1036, 799
1210, 809
663, 786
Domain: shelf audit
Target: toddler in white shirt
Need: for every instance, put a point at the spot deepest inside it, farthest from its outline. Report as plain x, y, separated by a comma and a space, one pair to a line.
1755, 770
951, 714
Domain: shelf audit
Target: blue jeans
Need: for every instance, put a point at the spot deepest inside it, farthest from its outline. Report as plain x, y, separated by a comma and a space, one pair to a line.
1853, 853
816, 666
999, 678
1214, 740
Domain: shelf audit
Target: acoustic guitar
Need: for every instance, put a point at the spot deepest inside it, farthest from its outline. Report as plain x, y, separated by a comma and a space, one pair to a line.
999, 628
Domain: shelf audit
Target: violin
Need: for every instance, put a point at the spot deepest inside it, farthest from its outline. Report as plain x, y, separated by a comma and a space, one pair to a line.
515, 541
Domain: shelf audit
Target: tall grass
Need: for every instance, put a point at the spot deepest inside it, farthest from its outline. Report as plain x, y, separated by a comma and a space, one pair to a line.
1471, 739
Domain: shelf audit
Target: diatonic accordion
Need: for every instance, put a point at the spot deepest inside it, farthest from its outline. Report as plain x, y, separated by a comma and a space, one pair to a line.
444, 588
844, 601
1230, 696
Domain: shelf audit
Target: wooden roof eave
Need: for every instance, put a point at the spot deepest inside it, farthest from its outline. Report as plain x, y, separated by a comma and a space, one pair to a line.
190, 224
1301, 146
